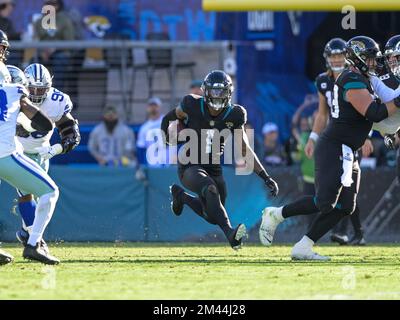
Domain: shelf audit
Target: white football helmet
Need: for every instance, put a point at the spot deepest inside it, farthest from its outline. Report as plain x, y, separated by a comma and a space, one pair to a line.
39, 82
5, 76
17, 75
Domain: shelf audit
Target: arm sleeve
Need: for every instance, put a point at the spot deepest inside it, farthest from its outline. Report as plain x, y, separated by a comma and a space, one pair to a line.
385, 93
170, 116
242, 118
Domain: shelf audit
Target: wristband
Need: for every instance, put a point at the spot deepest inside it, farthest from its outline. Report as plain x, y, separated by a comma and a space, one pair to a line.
313, 136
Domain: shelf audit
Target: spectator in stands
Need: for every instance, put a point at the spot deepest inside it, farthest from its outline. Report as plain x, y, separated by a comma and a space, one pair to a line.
112, 143
6, 24
195, 87
147, 136
274, 153
57, 60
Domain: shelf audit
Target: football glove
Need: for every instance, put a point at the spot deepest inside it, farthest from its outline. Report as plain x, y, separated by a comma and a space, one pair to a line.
272, 185
390, 141
47, 153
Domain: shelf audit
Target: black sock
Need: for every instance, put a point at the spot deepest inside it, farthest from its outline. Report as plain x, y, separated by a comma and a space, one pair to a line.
355, 221
323, 223
303, 206
216, 211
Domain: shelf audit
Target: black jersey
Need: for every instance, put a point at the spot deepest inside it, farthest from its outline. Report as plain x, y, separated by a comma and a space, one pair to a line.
347, 125
325, 84
212, 132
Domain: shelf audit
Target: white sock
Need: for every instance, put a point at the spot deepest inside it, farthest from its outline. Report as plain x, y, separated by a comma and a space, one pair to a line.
44, 212
278, 214
305, 242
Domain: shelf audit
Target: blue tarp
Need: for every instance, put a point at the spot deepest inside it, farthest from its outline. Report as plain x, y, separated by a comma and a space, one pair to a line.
109, 204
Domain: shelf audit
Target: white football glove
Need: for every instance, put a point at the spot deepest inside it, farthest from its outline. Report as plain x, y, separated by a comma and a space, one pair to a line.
49, 152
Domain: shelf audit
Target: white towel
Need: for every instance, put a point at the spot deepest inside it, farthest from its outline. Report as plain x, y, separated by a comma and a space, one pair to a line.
348, 159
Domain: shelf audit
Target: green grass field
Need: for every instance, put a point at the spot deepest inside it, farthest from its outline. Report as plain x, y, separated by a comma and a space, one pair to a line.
171, 271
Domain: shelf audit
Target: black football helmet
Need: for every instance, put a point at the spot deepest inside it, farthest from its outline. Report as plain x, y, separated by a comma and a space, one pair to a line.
392, 54
359, 49
4, 45
217, 88
334, 46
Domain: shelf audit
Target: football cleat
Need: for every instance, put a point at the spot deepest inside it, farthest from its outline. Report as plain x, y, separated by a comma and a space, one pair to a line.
237, 236
342, 239
176, 203
5, 257
358, 240
38, 254
23, 236
269, 223
301, 252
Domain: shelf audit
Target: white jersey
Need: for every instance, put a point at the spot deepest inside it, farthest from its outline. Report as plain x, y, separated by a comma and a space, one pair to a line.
56, 105
391, 124
10, 96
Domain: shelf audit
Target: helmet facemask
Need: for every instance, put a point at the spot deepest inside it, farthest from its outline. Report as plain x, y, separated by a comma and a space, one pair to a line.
393, 60
218, 96
3, 53
37, 94
336, 61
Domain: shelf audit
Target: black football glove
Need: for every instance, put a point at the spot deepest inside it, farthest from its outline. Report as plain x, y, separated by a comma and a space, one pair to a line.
390, 141
269, 182
21, 132
272, 185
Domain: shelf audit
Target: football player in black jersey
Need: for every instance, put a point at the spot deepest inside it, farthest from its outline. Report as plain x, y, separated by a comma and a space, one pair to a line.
334, 54
208, 116
337, 173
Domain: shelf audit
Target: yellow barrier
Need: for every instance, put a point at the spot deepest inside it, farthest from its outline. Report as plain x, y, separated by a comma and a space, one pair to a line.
301, 5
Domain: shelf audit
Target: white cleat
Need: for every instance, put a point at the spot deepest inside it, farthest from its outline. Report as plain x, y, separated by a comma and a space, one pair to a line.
300, 252
269, 223
240, 234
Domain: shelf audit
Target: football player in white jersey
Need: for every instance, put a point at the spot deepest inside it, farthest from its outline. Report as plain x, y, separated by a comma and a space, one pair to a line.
20, 171
57, 106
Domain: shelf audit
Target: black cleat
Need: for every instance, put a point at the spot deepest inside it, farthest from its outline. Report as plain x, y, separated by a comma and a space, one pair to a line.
235, 239
342, 239
5, 258
38, 254
358, 240
176, 203
23, 237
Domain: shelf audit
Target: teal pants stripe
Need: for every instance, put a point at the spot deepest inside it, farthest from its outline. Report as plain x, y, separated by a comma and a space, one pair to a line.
25, 175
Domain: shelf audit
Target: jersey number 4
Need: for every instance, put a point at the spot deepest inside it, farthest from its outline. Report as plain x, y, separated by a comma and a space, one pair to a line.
3, 105
335, 102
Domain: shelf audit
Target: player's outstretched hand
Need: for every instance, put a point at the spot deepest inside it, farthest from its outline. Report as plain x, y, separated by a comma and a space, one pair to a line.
272, 185
390, 141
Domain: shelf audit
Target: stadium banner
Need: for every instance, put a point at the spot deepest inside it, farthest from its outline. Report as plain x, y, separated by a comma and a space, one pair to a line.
132, 19
108, 204
300, 5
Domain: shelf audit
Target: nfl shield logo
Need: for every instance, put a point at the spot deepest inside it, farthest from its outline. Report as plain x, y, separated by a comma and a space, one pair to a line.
229, 125
212, 123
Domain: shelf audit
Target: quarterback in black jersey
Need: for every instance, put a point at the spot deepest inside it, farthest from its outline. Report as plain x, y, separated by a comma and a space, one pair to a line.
212, 118
334, 54
337, 173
